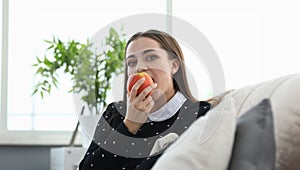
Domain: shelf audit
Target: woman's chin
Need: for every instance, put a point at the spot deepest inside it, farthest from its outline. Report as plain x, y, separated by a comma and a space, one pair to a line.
155, 94
158, 95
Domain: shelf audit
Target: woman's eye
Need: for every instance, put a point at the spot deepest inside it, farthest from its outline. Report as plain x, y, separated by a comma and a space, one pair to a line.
131, 63
151, 58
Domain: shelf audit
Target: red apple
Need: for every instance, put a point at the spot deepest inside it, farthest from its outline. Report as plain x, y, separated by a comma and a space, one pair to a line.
134, 78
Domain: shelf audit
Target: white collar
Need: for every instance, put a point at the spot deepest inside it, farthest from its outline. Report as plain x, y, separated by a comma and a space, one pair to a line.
169, 109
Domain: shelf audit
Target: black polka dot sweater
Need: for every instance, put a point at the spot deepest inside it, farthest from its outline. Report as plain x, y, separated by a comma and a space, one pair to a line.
115, 148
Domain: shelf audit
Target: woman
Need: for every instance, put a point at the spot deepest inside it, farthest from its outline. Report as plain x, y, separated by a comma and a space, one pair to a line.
128, 129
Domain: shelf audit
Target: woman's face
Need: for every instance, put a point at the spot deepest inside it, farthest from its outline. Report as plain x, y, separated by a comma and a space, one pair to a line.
145, 54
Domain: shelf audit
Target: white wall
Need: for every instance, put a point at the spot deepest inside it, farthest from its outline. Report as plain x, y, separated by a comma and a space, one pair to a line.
255, 40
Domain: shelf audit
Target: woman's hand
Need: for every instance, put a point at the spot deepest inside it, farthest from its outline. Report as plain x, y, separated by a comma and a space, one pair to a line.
138, 106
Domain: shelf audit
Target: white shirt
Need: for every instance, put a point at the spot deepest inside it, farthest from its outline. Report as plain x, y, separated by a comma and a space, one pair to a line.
169, 109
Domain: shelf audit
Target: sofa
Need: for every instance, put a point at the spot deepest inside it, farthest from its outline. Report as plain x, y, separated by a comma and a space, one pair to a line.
198, 149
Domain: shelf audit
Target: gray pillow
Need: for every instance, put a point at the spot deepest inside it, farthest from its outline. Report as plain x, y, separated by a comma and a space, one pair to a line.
254, 146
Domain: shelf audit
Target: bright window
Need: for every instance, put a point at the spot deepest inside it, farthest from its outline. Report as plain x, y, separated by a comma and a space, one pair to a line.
31, 22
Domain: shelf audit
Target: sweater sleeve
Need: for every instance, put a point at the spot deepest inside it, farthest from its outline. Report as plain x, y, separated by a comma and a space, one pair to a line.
98, 156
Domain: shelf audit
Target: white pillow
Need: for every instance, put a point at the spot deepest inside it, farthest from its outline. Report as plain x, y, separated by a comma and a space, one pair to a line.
207, 144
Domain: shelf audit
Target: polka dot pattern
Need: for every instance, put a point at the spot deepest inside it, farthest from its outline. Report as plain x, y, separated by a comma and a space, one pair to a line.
101, 154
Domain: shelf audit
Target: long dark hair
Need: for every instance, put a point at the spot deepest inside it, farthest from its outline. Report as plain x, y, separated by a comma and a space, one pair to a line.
168, 43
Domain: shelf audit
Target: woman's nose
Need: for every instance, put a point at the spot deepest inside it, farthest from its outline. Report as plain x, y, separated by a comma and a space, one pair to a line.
141, 68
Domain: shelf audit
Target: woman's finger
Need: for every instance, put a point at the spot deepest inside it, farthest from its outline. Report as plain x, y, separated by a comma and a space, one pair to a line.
150, 105
135, 87
146, 91
147, 101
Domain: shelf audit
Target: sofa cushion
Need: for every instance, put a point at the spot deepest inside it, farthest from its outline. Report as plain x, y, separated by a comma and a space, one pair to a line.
206, 144
284, 94
254, 145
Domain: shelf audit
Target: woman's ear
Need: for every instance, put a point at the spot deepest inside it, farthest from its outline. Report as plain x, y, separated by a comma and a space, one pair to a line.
175, 66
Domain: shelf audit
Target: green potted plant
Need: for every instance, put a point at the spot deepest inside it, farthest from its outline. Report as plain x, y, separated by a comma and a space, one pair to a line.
91, 73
